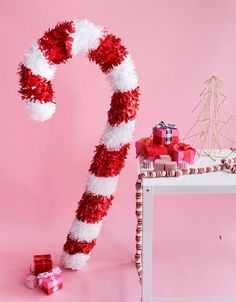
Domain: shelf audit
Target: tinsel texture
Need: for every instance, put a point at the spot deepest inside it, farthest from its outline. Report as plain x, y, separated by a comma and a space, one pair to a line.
56, 46
109, 53
56, 43
108, 163
34, 87
73, 246
124, 107
93, 208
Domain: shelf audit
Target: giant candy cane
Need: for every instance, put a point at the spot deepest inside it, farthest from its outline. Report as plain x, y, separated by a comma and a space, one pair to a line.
36, 72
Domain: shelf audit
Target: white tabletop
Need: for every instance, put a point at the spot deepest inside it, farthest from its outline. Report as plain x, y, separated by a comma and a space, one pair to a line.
216, 182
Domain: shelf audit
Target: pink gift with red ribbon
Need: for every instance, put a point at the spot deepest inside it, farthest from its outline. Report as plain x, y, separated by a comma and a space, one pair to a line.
182, 152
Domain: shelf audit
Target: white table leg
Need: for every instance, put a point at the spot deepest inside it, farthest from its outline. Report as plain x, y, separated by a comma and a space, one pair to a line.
147, 244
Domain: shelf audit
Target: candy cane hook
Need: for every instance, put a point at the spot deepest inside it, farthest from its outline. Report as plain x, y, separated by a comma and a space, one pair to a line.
36, 72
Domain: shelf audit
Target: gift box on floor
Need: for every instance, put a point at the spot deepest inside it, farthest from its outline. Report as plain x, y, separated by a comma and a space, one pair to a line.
165, 134
140, 145
182, 152
42, 263
31, 281
51, 281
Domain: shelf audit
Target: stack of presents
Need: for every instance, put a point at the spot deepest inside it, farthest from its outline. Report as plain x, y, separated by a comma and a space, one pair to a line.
163, 151
44, 275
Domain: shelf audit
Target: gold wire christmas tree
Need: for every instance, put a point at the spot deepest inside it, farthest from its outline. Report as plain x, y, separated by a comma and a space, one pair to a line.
211, 128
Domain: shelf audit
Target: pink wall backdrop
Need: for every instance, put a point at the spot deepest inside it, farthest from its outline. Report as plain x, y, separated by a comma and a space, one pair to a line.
176, 45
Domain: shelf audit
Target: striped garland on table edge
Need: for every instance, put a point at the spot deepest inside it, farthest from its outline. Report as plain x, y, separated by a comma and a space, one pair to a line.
228, 164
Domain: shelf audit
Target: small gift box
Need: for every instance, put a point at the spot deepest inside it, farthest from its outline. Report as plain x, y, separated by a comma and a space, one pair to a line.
31, 281
171, 166
51, 281
165, 157
140, 145
165, 134
182, 152
182, 164
159, 164
148, 164
42, 263
153, 151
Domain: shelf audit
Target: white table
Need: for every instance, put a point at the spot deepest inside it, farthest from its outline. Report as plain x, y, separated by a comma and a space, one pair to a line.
219, 182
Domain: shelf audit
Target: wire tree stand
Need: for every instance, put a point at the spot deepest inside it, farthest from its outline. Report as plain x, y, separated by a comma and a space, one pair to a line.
211, 128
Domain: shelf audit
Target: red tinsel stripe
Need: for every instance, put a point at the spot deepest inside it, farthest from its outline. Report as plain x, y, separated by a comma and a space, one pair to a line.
109, 53
108, 163
93, 208
73, 246
34, 87
56, 44
124, 106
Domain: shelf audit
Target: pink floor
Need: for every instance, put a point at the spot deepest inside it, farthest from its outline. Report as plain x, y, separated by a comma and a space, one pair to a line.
176, 45
189, 260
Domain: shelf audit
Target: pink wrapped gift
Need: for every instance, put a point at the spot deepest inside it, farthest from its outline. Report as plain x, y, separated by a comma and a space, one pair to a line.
31, 281
148, 164
182, 164
165, 134
51, 281
182, 152
165, 157
171, 166
159, 164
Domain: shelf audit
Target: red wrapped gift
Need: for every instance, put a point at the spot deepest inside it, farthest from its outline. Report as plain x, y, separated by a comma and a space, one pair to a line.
51, 281
152, 151
140, 145
42, 263
182, 152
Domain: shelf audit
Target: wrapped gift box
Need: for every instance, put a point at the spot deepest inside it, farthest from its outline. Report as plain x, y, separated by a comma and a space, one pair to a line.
146, 148
42, 263
140, 145
165, 157
171, 166
148, 165
159, 164
182, 152
165, 134
52, 281
152, 151
31, 281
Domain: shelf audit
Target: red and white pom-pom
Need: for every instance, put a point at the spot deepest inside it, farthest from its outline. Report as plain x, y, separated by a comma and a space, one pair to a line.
36, 73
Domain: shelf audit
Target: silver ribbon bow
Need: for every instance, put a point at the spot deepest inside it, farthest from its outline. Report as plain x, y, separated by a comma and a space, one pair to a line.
165, 126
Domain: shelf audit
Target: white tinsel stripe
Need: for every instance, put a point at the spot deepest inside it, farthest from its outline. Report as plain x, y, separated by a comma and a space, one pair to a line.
123, 77
86, 37
104, 186
74, 262
81, 230
116, 136
40, 111
38, 64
